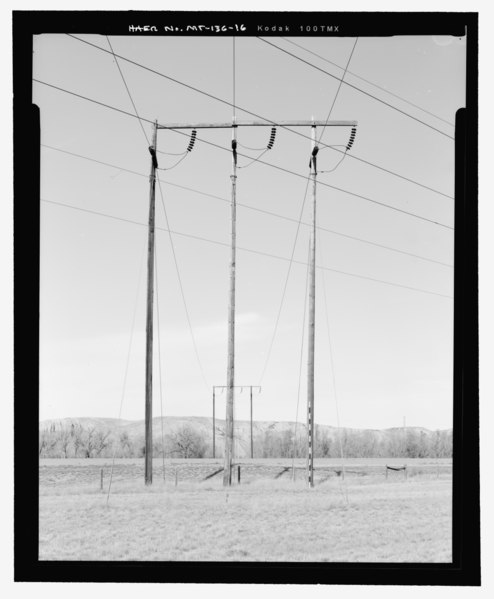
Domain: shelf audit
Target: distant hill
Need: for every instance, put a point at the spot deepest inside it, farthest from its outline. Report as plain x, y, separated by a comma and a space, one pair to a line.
271, 438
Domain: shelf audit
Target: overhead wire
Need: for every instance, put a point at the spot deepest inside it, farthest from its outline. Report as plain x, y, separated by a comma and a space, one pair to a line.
127, 362
249, 250
338, 90
171, 153
358, 89
199, 361
249, 148
253, 208
128, 90
368, 81
191, 144
282, 169
268, 355
169, 168
333, 373
212, 96
140, 272
253, 160
335, 167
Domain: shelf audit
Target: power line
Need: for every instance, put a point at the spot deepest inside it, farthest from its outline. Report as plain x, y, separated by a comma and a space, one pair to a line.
61, 89
338, 90
212, 96
128, 90
368, 81
260, 161
385, 170
249, 250
126, 371
181, 288
172, 247
284, 287
255, 209
356, 88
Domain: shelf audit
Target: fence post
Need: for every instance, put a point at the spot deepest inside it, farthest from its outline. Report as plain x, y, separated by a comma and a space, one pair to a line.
101, 483
238, 476
386, 470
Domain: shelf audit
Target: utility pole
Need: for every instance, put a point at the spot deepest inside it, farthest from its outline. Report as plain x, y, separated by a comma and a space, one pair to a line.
227, 475
230, 372
312, 311
241, 387
148, 469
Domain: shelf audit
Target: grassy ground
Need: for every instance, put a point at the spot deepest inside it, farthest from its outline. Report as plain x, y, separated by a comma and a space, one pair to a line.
363, 518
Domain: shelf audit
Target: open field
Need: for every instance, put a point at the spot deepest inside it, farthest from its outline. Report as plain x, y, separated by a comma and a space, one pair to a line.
268, 517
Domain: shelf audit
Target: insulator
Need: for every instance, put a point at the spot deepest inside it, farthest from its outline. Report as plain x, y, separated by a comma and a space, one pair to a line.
352, 138
192, 140
234, 144
271, 138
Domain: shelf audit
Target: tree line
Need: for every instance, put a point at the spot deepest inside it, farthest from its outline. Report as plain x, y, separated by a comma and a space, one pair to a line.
77, 441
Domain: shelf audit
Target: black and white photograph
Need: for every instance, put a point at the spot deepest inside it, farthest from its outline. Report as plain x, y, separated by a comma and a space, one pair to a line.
251, 298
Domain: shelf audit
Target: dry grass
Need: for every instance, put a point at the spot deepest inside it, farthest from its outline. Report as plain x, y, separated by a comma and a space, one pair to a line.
364, 518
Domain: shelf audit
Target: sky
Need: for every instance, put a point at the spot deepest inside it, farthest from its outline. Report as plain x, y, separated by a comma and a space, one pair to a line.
389, 352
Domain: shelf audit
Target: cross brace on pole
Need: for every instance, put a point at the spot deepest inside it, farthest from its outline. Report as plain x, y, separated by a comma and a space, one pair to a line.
258, 124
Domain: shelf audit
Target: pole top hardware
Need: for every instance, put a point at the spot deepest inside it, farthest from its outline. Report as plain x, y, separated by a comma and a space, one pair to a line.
152, 151
236, 124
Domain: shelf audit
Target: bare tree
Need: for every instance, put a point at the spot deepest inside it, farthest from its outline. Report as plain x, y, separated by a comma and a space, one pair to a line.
77, 432
88, 441
188, 443
64, 439
126, 444
101, 442
47, 441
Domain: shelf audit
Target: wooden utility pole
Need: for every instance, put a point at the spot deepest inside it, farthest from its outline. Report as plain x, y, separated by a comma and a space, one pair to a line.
148, 469
312, 311
230, 372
